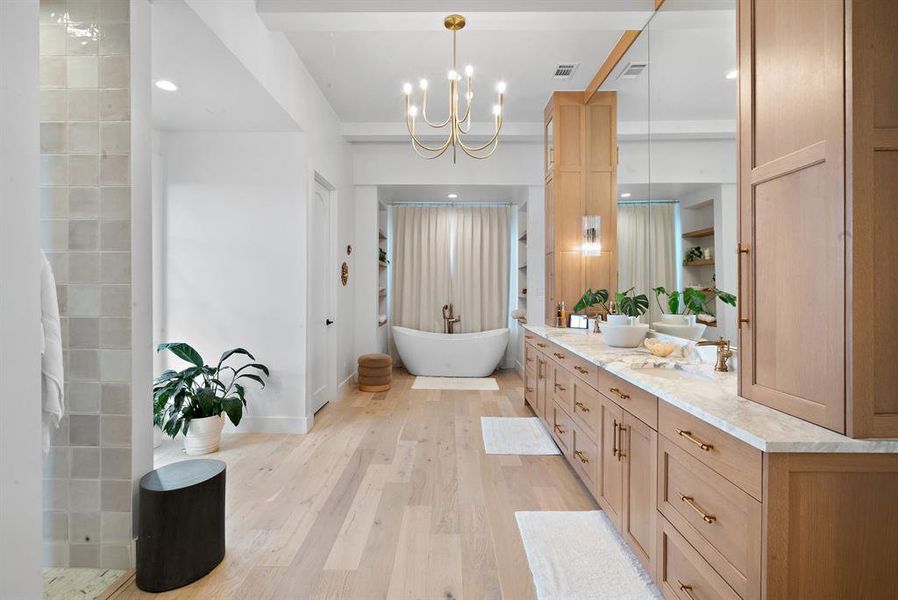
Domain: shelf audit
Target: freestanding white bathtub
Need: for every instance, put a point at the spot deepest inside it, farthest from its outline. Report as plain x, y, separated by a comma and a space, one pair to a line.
450, 354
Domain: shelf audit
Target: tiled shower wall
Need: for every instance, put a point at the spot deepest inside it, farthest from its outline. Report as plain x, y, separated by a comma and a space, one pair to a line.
86, 227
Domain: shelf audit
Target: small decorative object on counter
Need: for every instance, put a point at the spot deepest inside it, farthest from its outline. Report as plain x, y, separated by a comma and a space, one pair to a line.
564, 315
579, 322
659, 348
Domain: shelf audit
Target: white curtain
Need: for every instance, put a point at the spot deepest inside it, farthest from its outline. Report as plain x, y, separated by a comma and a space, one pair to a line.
421, 266
480, 270
647, 250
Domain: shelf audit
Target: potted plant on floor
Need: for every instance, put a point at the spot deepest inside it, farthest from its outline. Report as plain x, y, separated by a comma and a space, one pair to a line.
195, 400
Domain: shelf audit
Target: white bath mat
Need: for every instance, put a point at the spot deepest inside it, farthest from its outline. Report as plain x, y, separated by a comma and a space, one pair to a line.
455, 383
577, 555
516, 435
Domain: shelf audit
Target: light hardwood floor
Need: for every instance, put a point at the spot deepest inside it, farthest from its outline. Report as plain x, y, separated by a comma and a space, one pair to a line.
389, 496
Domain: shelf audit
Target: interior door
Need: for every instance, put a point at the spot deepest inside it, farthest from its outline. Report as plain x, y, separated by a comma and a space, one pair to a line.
611, 492
640, 445
321, 278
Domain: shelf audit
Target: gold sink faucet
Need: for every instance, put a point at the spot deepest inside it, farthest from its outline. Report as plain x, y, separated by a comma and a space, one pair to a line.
723, 353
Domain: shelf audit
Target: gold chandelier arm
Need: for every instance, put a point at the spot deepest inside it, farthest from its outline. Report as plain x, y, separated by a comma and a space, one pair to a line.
416, 143
424, 111
465, 124
469, 149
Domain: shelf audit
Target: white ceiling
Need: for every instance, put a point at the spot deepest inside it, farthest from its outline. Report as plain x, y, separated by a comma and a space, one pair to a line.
215, 91
361, 53
393, 194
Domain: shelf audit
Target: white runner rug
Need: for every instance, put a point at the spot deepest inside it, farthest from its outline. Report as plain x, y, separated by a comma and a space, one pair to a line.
577, 555
455, 383
516, 435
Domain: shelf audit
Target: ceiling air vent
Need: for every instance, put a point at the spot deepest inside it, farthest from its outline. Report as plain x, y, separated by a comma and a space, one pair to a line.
565, 70
633, 70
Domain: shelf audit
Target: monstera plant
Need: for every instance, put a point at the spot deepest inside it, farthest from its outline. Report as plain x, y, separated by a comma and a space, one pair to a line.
194, 400
625, 303
691, 301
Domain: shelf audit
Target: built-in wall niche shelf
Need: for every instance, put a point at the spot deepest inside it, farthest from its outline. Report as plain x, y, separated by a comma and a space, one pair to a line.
522, 267
381, 235
699, 263
522, 296
699, 233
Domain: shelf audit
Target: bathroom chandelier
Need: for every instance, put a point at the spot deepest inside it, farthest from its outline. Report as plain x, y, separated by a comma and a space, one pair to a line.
459, 123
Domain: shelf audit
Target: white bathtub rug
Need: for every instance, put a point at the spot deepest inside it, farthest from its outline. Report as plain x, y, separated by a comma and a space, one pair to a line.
455, 383
516, 435
577, 555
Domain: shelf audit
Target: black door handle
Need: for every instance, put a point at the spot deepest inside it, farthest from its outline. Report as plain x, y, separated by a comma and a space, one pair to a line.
328, 321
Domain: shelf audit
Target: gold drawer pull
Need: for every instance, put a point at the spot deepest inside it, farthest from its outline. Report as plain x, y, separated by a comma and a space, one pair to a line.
580, 369
686, 589
540, 344
619, 393
581, 406
560, 387
620, 442
559, 429
581, 456
688, 435
691, 502
558, 355
614, 449
530, 390
529, 359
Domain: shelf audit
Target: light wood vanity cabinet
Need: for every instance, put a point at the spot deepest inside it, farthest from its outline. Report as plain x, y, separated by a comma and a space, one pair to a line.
709, 515
818, 130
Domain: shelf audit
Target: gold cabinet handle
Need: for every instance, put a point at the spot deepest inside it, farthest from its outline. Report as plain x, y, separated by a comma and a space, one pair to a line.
614, 450
540, 344
580, 369
558, 355
581, 456
581, 406
688, 435
686, 589
619, 393
741, 320
560, 387
620, 442
559, 429
529, 359
691, 502
530, 390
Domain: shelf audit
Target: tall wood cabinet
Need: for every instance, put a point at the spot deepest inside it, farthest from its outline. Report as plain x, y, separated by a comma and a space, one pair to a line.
818, 127
581, 179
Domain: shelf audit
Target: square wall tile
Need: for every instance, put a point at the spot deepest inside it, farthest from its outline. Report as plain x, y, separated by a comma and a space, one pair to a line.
116, 300
115, 398
116, 462
115, 137
54, 203
115, 332
54, 236
115, 235
84, 235
84, 333
84, 527
56, 555
53, 105
84, 202
53, 140
84, 170
83, 72
115, 169
84, 267
56, 463
84, 12
115, 556
82, 39
86, 463
52, 40
53, 71
84, 137
84, 555
115, 71
115, 528
84, 300
115, 267
115, 202
115, 495
115, 38
115, 105
84, 496
115, 366
59, 264
53, 169
83, 105
115, 432
56, 526
114, 11
56, 494
83, 396
84, 430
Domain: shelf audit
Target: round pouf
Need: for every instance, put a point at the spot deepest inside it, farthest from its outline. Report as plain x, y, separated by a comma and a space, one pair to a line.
181, 526
375, 372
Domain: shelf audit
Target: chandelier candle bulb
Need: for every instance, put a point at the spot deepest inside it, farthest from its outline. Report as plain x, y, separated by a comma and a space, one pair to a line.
459, 121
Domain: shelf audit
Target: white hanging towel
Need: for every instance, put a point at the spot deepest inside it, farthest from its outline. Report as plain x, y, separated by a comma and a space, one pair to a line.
51, 354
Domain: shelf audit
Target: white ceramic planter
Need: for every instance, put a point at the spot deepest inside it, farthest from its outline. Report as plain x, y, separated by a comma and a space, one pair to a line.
681, 326
203, 435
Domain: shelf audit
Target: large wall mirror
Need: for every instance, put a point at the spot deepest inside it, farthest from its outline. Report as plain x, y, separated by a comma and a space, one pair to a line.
676, 180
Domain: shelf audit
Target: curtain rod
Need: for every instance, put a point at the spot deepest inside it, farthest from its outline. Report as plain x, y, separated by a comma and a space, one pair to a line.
472, 204
625, 202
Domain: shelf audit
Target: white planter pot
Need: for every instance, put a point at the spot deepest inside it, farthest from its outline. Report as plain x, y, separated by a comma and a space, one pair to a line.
203, 435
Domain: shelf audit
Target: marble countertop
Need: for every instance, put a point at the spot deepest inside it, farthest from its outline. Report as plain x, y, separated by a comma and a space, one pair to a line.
712, 397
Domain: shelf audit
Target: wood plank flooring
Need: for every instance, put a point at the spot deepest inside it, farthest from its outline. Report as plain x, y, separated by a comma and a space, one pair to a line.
389, 496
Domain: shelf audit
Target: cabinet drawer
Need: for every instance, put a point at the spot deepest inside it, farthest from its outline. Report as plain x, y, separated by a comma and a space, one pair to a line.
583, 369
634, 400
560, 355
530, 356
682, 573
721, 521
561, 387
732, 458
584, 457
586, 410
530, 383
561, 427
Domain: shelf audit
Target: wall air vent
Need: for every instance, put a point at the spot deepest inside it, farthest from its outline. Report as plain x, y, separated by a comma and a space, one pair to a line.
633, 70
565, 70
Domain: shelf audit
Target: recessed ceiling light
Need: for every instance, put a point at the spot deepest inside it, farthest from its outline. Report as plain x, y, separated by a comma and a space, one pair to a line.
626, 195
166, 85
452, 196
732, 74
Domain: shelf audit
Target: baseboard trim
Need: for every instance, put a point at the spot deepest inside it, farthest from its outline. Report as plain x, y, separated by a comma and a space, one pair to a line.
253, 424
344, 386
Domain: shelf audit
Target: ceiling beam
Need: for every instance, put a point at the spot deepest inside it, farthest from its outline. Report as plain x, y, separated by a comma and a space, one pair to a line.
623, 44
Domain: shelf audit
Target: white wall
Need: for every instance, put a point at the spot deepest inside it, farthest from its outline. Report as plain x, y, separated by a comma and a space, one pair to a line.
678, 161
20, 378
536, 255
364, 270
235, 261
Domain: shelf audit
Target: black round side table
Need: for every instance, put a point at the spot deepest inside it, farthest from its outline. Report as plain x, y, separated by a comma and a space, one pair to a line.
181, 530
